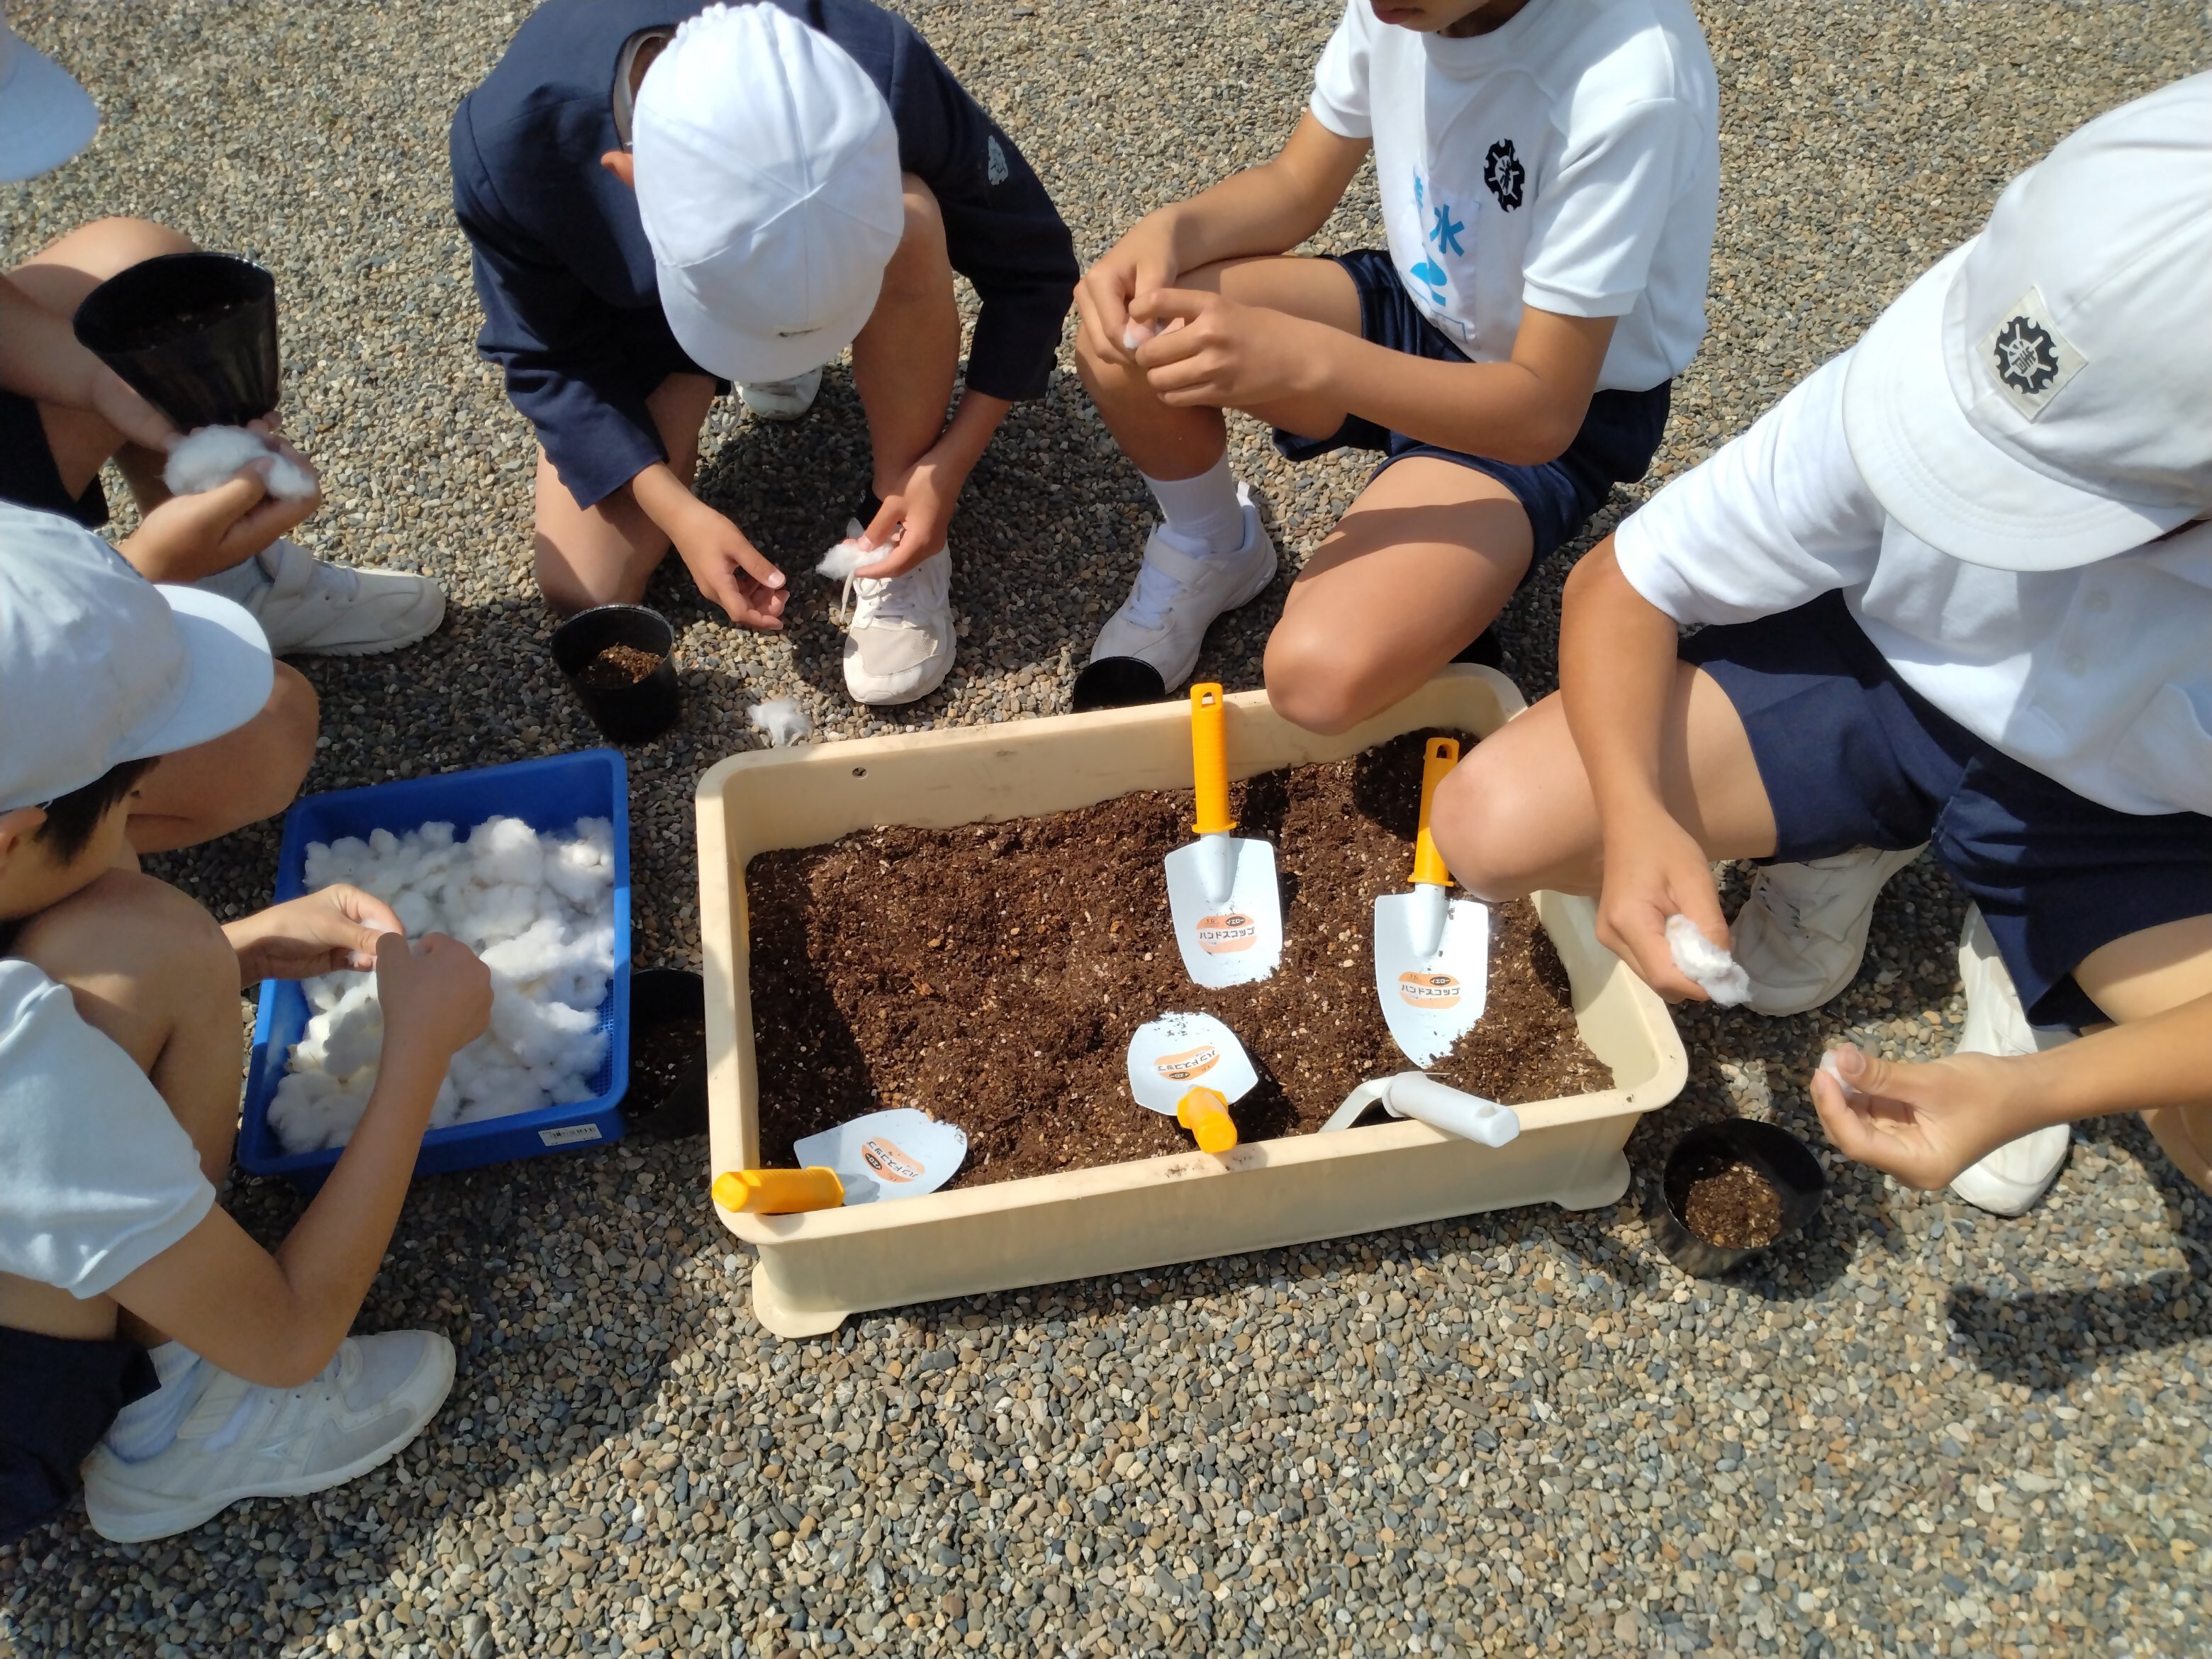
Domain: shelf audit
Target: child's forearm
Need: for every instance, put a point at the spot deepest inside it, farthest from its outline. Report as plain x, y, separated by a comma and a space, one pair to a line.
39, 357
2164, 1061
1617, 657
663, 497
1269, 209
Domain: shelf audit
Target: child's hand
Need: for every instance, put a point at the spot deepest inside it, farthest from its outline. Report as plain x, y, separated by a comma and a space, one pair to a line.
436, 994
1213, 353
730, 570
318, 933
1655, 869
188, 537
107, 395
1141, 262
1922, 1123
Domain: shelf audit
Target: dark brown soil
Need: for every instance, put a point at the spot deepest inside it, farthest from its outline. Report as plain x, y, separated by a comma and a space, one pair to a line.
993, 975
618, 665
663, 1054
1725, 1203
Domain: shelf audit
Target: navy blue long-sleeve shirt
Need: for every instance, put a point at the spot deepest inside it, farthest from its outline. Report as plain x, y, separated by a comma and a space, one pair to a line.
566, 275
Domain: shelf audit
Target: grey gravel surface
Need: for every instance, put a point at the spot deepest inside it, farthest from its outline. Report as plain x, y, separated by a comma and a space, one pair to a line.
1924, 1432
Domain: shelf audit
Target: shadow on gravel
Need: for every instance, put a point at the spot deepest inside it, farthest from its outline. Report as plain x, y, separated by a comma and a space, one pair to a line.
2047, 1339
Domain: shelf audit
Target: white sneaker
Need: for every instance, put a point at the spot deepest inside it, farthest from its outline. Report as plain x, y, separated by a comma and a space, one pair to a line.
311, 608
899, 644
2011, 1179
781, 400
1801, 934
240, 1440
1178, 594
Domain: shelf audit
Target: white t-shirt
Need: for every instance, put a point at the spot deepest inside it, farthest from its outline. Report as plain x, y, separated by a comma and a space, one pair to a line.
1569, 160
96, 1177
2098, 678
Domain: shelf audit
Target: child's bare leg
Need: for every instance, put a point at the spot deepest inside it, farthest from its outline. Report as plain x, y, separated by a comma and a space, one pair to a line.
1166, 441
1424, 561
607, 553
2146, 974
1517, 814
56, 279
240, 778
904, 360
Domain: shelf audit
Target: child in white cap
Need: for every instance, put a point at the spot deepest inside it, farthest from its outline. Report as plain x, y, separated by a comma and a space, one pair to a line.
144, 1335
1956, 588
1549, 173
807, 177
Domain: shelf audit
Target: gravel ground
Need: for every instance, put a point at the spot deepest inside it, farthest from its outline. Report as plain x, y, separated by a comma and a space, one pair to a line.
1925, 1432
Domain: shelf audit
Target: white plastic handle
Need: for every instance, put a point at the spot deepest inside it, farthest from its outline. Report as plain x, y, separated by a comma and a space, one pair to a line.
1453, 1110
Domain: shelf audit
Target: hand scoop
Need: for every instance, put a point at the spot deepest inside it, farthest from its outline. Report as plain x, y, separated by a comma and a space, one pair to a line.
1189, 1068
1221, 888
1431, 951
1437, 1104
883, 1156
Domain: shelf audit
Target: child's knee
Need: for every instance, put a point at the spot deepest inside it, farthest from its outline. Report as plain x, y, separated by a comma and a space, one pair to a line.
1313, 682
1480, 816
106, 247
922, 264
290, 722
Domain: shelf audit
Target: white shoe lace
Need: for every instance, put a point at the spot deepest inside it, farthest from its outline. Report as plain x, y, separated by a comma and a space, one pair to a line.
883, 598
1154, 595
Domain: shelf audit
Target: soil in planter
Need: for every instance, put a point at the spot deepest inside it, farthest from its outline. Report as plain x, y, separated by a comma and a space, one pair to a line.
663, 1054
616, 667
1725, 1202
993, 974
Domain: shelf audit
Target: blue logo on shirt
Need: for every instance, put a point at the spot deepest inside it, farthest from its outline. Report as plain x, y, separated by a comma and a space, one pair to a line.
1445, 234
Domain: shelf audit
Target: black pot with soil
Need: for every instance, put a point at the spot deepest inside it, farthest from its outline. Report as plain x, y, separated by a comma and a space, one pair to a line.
620, 660
667, 1096
1730, 1190
193, 334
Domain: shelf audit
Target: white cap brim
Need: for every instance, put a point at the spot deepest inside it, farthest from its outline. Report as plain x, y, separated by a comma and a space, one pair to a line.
230, 675
1952, 487
734, 355
46, 117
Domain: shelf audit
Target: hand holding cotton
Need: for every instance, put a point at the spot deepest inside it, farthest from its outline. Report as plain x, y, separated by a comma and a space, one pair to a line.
215, 455
1714, 971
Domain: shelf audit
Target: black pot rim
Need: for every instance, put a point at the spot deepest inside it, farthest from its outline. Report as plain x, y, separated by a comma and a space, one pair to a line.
1782, 1158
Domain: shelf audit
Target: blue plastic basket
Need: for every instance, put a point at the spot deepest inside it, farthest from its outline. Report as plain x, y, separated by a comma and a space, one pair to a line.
548, 794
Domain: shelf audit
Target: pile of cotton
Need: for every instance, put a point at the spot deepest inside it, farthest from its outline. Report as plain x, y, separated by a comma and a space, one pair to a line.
539, 910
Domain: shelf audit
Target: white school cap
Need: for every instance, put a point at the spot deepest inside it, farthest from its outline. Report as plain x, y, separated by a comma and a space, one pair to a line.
2039, 399
46, 117
768, 178
99, 666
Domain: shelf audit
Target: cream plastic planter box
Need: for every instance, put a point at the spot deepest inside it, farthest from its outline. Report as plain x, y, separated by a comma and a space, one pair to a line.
814, 1269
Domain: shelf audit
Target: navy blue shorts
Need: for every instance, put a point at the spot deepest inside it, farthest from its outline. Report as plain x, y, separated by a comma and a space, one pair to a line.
1619, 436
57, 1396
1852, 756
28, 476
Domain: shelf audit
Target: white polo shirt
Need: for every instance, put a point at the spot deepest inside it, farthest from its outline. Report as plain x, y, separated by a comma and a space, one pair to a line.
2098, 678
96, 1177
1569, 160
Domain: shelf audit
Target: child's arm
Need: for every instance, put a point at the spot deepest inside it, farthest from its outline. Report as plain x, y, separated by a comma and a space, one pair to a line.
41, 359
1264, 210
277, 1318
1925, 1123
1617, 669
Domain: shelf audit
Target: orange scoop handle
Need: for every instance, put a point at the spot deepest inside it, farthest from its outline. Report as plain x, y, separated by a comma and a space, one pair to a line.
779, 1191
1437, 759
1209, 760
1205, 1113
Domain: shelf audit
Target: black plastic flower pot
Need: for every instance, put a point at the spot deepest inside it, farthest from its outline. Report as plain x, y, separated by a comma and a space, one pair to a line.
667, 1095
600, 652
1116, 683
1785, 1163
194, 334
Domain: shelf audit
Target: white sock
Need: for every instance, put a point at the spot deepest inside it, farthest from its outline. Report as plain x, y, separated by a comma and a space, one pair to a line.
1201, 515
145, 1428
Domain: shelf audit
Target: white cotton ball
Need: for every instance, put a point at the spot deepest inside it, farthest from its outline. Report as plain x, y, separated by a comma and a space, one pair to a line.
356, 1032
1137, 333
783, 719
417, 913
1715, 970
842, 560
447, 1107
300, 1112
214, 455
582, 867
506, 851
324, 991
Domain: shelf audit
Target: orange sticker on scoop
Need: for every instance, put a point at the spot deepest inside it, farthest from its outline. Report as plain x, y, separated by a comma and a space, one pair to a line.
884, 1158
1190, 1063
1429, 991
1229, 931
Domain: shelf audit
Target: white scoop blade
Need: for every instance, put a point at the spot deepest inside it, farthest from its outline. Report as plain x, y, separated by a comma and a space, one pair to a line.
886, 1155
1430, 999
1229, 933
1171, 1054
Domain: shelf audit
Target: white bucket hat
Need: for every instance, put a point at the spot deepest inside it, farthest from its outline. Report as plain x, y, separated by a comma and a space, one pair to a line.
98, 666
768, 179
46, 117
2043, 397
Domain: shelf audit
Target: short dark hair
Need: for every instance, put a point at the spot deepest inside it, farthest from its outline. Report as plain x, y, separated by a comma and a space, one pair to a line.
72, 818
